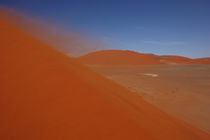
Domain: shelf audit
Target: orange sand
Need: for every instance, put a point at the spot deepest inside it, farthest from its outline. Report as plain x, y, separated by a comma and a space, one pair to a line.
48, 96
120, 57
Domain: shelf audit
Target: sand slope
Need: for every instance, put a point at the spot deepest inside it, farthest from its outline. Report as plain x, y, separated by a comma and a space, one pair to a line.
48, 96
120, 57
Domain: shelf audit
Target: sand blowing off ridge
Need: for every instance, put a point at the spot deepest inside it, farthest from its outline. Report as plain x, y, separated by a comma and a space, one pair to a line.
48, 96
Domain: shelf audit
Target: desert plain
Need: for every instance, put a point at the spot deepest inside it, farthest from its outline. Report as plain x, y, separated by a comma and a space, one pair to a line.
180, 90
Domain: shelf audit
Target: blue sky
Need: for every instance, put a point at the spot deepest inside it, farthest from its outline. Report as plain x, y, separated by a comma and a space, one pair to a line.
174, 27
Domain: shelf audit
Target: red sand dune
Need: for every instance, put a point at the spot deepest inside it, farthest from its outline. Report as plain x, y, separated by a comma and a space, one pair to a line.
120, 57
205, 60
47, 96
183, 60
173, 59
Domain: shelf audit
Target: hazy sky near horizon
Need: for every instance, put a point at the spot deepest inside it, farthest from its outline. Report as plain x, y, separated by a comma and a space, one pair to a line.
172, 27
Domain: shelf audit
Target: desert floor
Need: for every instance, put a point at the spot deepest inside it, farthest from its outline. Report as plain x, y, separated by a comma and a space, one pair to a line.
180, 90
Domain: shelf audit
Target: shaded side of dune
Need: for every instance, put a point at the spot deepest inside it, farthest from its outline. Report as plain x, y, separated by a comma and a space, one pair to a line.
48, 96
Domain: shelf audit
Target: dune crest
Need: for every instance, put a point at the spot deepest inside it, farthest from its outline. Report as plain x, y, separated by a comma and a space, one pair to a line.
46, 95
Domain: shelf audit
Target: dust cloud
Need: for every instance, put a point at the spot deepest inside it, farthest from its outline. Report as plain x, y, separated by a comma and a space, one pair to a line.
69, 41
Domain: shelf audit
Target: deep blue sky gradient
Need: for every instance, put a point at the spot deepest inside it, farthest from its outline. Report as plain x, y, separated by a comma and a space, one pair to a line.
175, 27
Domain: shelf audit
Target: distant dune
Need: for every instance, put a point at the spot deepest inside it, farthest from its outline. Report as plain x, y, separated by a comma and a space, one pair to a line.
121, 57
46, 95
205, 60
173, 59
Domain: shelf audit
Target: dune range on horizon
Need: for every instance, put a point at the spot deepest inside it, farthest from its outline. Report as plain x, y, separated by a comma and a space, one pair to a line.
127, 57
46, 95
